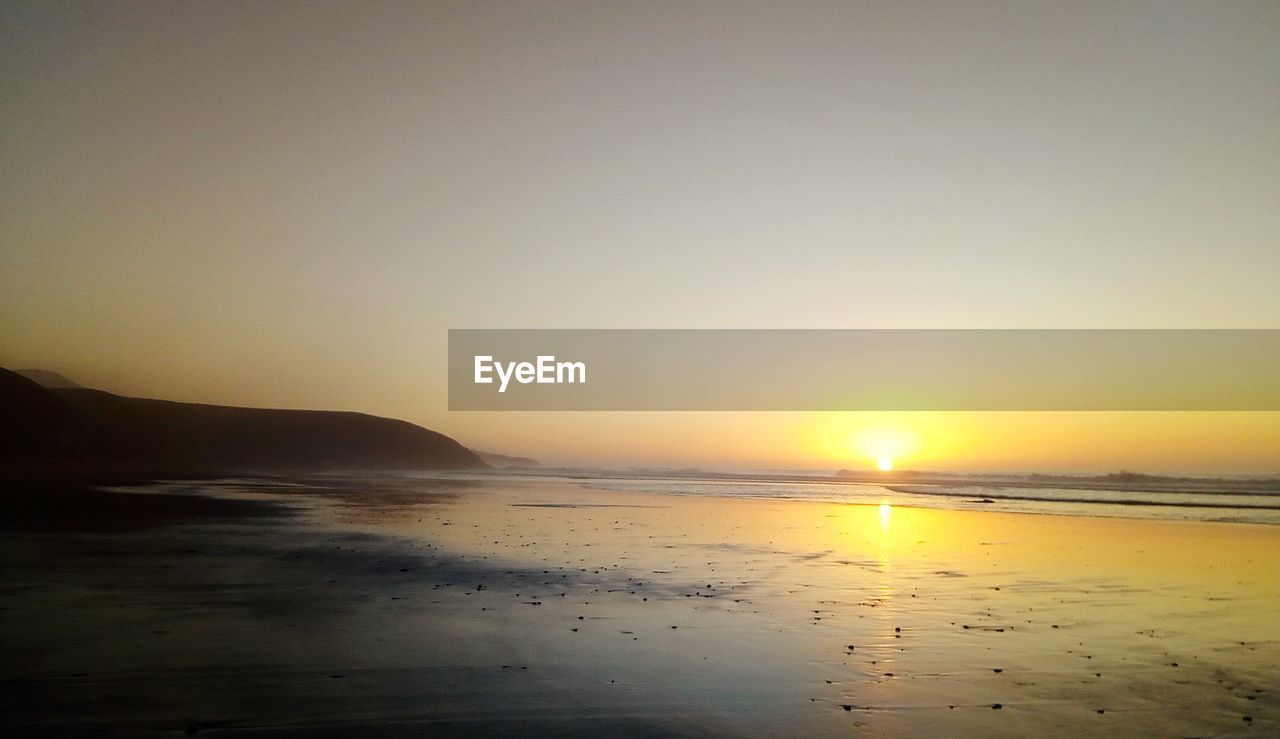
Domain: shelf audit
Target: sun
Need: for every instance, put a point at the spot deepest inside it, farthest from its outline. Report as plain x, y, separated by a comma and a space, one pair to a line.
882, 445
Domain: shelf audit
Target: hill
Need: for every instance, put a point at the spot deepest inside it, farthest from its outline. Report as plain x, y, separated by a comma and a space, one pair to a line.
76, 424
33, 421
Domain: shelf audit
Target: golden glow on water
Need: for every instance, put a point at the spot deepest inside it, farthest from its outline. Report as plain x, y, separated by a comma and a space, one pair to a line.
1148, 554
1141, 567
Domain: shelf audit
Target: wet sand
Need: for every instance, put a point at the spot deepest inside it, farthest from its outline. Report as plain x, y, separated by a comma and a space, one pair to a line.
347, 606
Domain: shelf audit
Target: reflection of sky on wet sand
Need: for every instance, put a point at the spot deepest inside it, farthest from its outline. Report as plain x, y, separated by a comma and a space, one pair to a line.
933, 601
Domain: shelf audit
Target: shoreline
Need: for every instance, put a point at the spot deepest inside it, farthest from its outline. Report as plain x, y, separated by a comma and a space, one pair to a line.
946, 500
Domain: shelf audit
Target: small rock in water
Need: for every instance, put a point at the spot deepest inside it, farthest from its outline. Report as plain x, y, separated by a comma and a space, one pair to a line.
847, 707
1101, 711
996, 706
997, 669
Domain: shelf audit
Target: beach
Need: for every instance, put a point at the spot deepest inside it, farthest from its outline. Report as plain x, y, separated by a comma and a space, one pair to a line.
483, 604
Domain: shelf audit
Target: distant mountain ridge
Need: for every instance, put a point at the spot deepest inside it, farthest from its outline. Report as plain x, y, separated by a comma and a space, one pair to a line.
49, 379
78, 424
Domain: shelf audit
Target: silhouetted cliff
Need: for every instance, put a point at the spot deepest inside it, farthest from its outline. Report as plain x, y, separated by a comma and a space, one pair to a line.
92, 425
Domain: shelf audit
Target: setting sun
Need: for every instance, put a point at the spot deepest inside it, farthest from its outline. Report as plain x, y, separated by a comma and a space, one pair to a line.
883, 443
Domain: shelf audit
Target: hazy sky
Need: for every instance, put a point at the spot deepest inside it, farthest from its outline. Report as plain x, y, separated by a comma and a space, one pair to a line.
289, 204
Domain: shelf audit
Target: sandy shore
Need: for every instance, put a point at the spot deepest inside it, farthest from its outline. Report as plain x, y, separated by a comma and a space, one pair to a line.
476, 606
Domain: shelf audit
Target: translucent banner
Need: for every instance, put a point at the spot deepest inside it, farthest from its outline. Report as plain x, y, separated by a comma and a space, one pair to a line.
863, 369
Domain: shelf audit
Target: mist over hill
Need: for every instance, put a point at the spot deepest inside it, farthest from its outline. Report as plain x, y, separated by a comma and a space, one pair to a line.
48, 379
506, 460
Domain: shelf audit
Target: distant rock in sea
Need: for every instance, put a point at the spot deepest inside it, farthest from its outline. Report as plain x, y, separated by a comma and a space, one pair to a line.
81, 425
878, 474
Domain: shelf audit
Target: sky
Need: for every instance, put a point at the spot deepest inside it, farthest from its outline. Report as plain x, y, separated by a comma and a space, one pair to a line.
288, 204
